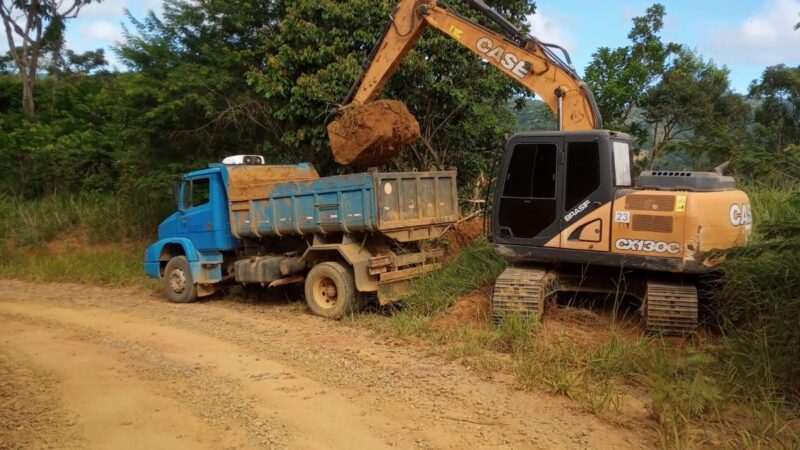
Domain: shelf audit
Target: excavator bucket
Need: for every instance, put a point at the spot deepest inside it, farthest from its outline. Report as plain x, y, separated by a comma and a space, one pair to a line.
373, 133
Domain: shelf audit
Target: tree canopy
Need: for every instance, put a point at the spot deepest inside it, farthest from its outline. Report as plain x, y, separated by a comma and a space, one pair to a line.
210, 79
778, 114
675, 102
33, 27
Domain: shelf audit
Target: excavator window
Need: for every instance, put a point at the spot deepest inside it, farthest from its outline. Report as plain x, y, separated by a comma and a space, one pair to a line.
528, 203
583, 172
622, 163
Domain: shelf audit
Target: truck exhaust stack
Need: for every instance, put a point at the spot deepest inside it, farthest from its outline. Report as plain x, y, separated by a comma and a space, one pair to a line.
372, 134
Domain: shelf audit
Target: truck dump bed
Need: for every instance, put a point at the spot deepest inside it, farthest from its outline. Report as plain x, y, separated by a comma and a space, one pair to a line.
274, 201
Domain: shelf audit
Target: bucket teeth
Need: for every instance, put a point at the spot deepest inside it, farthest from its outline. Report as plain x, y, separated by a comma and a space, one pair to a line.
670, 308
521, 291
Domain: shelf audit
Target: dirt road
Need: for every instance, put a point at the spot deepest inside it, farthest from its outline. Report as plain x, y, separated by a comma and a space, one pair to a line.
88, 367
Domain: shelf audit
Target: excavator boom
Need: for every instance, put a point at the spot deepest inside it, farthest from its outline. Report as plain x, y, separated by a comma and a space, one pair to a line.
523, 58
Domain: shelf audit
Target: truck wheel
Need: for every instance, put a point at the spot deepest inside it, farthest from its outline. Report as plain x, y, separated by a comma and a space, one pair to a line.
178, 284
331, 291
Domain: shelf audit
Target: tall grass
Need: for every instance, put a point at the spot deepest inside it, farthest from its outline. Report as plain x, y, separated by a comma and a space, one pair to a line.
109, 265
758, 299
88, 237
474, 267
94, 218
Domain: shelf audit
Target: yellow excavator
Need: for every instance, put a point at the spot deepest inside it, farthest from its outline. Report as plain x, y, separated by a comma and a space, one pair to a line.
567, 211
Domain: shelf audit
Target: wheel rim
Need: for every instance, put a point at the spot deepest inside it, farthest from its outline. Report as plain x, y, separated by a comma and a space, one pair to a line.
177, 281
326, 295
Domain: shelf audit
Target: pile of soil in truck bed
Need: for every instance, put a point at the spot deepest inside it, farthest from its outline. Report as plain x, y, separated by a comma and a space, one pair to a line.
373, 133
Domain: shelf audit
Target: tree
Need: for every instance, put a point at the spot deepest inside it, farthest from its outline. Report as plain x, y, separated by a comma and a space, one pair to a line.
87, 62
778, 114
619, 78
35, 24
186, 90
693, 110
317, 52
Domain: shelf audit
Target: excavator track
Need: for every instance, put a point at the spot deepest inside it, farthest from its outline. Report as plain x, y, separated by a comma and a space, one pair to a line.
670, 308
521, 290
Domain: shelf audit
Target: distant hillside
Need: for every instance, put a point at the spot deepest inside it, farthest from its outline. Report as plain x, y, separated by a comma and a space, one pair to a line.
532, 115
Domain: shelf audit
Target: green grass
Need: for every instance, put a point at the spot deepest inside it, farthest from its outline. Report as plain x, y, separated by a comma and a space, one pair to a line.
114, 265
88, 238
474, 267
758, 301
94, 218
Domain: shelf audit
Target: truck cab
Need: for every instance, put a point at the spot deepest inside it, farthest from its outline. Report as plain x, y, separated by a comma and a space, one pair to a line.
202, 216
194, 237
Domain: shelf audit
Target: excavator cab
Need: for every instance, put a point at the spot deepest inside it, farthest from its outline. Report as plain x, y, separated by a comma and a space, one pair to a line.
552, 180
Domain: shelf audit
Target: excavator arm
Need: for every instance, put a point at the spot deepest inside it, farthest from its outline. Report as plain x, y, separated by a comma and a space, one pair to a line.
523, 58
520, 57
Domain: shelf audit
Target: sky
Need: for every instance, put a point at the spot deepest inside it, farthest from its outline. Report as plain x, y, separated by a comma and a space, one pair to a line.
743, 35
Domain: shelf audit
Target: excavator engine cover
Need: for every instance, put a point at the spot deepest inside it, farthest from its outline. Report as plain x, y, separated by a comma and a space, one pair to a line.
373, 133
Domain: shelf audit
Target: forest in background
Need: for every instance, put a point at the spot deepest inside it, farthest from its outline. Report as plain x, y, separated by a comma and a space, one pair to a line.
92, 162
264, 77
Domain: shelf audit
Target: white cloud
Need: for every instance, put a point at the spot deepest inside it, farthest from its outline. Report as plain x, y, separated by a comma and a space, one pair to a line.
102, 32
105, 9
114, 8
554, 29
766, 37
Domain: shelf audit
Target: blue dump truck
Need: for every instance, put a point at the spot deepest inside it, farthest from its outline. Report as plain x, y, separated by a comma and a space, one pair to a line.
344, 236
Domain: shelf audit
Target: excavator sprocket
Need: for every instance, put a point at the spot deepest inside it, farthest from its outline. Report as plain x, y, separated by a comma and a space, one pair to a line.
521, 290
670, 308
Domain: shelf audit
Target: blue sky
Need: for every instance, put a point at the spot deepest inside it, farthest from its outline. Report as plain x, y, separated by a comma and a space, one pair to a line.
744, 35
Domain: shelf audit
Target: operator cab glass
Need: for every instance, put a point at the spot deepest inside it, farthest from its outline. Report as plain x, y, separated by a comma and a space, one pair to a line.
622, 164
553, 182
528, 202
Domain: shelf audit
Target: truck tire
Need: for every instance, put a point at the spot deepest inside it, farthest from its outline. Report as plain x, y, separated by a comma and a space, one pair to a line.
178, 284
330, 291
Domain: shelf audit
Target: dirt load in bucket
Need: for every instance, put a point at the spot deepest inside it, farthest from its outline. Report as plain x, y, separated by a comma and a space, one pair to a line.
372, 134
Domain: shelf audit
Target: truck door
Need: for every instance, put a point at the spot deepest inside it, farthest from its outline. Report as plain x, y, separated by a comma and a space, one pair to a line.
528, 203
587, 192
197, 214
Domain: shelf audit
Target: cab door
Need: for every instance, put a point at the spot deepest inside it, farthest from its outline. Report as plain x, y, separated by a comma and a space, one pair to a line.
196, 212
587, 191
528, 201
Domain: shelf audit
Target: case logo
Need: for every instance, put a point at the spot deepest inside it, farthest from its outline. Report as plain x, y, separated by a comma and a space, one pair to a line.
506, 59
638, 245
740, 214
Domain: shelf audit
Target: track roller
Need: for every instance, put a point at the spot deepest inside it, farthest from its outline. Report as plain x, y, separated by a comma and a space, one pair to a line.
670, 308
521, 290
